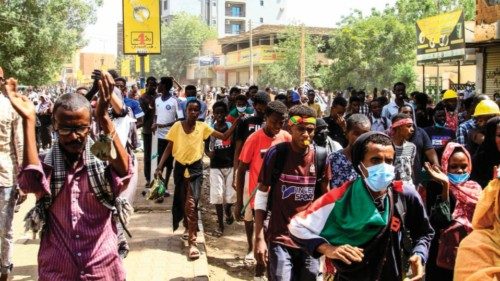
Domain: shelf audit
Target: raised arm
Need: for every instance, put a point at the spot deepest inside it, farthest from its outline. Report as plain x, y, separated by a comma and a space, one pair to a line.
25, 108
106, 86
226, 134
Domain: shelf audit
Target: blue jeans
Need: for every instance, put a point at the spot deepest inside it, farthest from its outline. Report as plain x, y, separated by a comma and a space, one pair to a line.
289, 264
7, 205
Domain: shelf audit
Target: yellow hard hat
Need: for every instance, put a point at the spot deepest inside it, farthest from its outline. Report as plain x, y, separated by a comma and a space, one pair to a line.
486, 107
450, 94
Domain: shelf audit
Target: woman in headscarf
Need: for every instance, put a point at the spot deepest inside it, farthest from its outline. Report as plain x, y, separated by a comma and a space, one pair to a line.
478, 256
450, 199
488, 154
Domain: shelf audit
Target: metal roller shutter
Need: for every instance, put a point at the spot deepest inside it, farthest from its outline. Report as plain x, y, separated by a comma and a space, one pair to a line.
492, 73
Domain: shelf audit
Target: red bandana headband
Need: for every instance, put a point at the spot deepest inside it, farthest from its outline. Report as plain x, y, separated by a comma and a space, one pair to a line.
402, 122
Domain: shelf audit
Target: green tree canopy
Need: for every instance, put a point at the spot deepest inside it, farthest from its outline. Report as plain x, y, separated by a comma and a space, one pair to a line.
38, 36
379, 49
285, 72
181, 41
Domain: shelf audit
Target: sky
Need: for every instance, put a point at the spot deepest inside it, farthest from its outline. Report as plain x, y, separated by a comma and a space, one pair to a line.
319, 13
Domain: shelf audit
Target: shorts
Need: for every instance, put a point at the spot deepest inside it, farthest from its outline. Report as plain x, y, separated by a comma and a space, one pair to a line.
246, 196
221, 186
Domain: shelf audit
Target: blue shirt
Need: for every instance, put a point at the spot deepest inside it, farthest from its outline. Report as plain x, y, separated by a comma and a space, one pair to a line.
135, 107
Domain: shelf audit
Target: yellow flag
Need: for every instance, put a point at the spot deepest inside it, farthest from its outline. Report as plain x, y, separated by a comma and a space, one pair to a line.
146, 64
138, 64
125, 68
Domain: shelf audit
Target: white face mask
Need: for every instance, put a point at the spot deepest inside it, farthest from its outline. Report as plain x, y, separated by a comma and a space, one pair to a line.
241, 109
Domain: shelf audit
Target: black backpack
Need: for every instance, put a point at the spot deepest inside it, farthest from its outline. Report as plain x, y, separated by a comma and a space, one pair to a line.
282, 149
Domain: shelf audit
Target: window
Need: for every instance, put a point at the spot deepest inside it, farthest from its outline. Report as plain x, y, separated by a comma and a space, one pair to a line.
214, 4
261, 20
235, 28
165, 5
262, 3
214, 22
235, 11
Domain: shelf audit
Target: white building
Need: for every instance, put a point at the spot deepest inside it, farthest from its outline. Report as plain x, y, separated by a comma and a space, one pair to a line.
229, 17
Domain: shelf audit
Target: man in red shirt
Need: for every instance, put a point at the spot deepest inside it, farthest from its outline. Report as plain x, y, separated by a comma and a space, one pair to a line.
251, 158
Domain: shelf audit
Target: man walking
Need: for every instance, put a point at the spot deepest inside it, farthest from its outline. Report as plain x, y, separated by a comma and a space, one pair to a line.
11, 149
71, 185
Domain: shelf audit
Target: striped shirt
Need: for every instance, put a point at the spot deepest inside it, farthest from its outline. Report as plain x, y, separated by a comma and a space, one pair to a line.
80, 242
403, 162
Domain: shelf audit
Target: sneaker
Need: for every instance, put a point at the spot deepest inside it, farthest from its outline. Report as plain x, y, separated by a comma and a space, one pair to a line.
167, 194
159, 200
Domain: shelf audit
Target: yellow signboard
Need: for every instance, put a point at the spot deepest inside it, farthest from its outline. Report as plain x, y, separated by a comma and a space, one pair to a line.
441, 38
261, 55
141, 27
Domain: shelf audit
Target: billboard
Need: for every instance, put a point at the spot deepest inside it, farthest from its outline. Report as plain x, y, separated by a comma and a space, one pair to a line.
441, 38
141, 27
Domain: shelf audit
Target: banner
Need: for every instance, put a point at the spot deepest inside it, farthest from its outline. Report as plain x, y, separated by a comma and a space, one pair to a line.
441, 38
138, 64
141, 27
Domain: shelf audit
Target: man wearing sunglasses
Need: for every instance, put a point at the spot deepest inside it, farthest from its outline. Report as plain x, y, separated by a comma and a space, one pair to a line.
11, 148
79, 240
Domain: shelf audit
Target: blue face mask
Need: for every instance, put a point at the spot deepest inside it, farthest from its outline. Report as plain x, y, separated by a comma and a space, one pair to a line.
379, 177
458, 178
190, 98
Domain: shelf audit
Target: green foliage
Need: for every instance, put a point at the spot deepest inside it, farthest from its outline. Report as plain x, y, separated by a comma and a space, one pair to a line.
285, 72
379, 49
181, 40
39, 36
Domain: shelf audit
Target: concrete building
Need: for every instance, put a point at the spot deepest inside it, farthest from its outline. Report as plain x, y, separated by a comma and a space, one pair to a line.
229, 17
487, 44
236, 50
169, 8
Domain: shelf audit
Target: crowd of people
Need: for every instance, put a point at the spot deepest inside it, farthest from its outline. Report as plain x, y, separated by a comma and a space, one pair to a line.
367, 188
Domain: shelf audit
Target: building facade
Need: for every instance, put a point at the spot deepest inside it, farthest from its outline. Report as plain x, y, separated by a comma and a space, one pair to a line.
229, 17
487, 44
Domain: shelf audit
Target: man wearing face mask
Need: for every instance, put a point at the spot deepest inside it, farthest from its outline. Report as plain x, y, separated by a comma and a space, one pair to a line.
363, 226
322, 139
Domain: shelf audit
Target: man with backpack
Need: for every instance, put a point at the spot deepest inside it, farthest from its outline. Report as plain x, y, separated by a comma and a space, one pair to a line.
369, 228
292, 176
75, 184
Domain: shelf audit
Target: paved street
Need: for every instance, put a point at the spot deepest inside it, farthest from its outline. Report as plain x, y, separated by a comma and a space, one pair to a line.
156, 254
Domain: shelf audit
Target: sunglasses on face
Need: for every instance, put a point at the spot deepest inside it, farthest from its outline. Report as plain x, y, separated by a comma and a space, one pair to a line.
81, 131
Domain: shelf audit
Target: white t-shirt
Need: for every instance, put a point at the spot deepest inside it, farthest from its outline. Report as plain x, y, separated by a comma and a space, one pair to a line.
166, 112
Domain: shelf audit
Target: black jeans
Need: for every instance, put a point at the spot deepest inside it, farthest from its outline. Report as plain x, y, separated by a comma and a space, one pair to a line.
147, 140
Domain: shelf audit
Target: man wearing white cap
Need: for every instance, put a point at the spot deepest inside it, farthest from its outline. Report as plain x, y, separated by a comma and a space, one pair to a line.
11, 152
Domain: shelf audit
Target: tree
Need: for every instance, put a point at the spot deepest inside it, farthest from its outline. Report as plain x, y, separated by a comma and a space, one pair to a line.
285, 72
38, 37
378, 50
181, 41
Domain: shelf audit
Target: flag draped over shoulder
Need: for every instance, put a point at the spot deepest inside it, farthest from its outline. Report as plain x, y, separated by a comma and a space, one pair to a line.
346, 215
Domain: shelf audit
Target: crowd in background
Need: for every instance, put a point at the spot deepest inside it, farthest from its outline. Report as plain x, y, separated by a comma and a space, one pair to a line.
348, 185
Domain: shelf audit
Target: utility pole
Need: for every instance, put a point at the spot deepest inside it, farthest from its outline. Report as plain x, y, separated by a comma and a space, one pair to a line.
302, 56
251, 52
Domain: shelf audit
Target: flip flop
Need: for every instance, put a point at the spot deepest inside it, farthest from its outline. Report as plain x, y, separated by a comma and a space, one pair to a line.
194, 253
